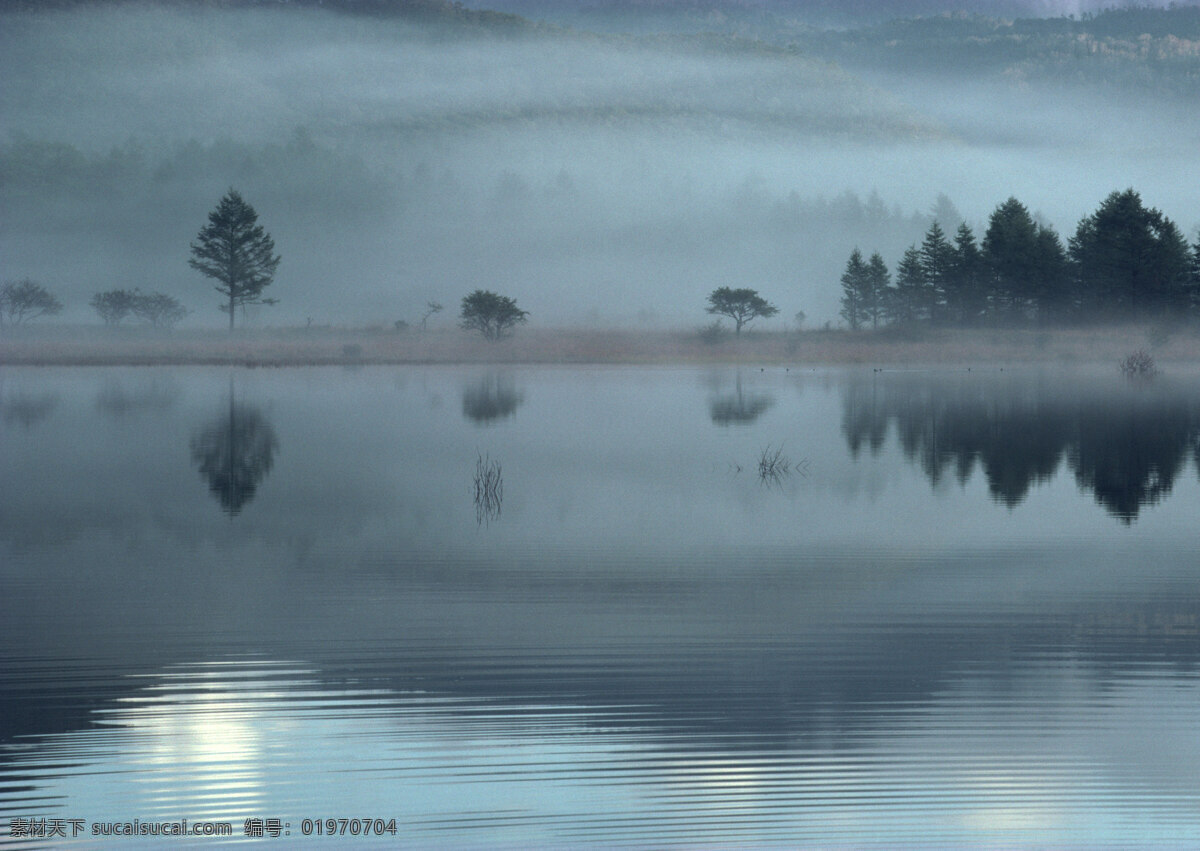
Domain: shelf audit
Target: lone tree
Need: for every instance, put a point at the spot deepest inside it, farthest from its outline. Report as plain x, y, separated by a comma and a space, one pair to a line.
431, 307
235, 250
491, 314
114, 305
159, 309
742, 306
25, 300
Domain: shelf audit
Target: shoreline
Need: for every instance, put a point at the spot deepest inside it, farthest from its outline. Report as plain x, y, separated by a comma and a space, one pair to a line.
307, 347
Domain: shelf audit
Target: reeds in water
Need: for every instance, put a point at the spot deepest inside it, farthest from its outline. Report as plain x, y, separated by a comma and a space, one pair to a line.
489, 489
773, 465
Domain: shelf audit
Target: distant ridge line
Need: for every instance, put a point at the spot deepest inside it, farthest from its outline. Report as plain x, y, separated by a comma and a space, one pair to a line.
441, 11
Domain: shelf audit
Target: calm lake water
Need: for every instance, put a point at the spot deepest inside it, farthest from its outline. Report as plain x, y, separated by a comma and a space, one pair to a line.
965, 609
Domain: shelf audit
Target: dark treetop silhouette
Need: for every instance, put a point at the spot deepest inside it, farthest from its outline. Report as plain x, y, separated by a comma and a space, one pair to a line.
491, 314
1125, 261
742, 306
235, 250
23, 300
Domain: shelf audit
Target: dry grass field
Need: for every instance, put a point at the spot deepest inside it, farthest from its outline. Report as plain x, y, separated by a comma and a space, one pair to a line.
52, 345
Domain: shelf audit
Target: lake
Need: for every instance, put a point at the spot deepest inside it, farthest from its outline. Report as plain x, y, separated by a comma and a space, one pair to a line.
609, 606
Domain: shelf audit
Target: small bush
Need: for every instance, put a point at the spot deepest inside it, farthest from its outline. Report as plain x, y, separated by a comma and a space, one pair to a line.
713, 333
1139, 364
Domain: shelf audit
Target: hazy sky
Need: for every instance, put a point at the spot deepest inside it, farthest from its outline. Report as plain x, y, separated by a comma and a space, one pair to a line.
597, 180
824, 9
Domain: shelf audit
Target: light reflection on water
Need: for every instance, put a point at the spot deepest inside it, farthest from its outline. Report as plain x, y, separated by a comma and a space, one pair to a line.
254, 739
647, 647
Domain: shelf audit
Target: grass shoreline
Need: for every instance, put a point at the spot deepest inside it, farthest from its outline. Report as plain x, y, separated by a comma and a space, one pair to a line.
296, 347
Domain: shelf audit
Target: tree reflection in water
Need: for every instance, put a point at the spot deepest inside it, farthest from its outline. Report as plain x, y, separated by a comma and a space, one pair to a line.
234, 452
27, 410
493, 397
1126, 445
741, 407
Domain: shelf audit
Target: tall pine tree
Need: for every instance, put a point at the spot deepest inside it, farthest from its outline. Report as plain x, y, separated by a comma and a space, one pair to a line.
937, 261
234, 250
966, 297
878, 279
1130, 260
908, 299
1010, 249
855, 291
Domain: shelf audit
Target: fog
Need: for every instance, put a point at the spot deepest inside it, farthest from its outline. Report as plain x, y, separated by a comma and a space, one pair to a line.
700, 15
597, 179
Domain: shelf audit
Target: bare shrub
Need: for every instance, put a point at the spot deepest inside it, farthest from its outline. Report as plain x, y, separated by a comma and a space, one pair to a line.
773, 466
1138, 364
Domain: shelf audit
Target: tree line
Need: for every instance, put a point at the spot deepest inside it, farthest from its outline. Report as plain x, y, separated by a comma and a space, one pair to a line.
25, 300
238, 254
1125, 261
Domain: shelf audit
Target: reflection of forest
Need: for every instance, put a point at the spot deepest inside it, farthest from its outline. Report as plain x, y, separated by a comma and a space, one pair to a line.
234, 453
491, 398
1126, 444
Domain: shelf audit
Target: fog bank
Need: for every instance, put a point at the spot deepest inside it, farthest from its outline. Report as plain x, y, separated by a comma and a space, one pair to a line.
598, 180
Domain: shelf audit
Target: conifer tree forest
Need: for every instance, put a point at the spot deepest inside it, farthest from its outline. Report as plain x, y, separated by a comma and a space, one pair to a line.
1126, 261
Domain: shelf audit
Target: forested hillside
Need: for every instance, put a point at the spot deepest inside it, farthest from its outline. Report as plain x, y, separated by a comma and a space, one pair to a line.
1143, 48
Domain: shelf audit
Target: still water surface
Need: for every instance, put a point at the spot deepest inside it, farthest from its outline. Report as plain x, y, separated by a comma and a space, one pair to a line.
963, 611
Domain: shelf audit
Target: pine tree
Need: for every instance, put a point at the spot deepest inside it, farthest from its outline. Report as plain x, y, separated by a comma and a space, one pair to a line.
1130, 259
937, 261
1010, 250
908, 301
235, 250
1193, 292
878, 279
966, 297
855, 287
1051, 286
